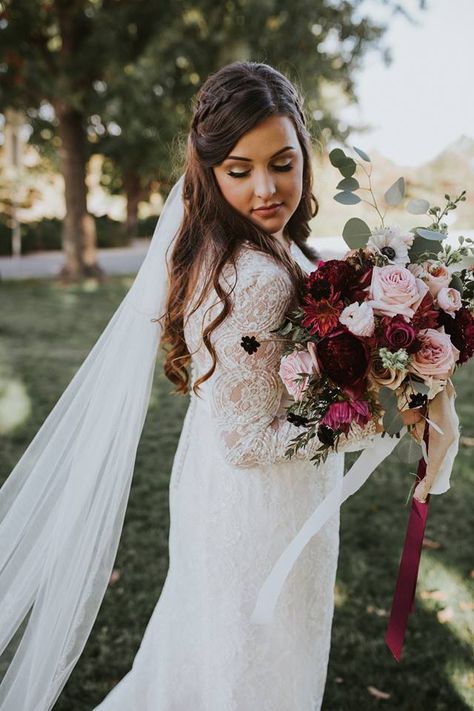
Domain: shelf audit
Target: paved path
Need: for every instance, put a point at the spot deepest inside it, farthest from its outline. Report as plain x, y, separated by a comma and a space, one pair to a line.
124, 260
127, 260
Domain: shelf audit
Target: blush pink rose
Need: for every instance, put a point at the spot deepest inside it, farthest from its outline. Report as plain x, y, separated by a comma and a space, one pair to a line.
290, 368
449, 300
436, 277
395, 290
437, 356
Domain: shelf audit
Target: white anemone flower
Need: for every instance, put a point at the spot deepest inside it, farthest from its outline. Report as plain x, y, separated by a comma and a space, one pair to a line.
391, 242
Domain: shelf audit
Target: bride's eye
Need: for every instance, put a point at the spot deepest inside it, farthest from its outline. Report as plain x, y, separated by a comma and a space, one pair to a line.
238, 175
280, 168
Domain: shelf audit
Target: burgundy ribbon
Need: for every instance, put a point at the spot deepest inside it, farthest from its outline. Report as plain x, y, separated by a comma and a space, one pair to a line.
403, 602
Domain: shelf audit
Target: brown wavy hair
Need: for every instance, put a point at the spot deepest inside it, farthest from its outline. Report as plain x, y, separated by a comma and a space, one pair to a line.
231, 102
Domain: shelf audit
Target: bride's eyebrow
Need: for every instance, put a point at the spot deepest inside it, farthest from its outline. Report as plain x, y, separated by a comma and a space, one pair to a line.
249, 160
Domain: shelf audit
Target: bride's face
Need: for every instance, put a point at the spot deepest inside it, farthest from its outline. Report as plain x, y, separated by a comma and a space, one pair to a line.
264, 168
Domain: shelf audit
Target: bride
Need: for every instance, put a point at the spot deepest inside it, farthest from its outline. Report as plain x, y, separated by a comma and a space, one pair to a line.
227, 260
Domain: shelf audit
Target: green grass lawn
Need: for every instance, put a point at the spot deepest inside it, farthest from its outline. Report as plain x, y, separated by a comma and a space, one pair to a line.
46, 331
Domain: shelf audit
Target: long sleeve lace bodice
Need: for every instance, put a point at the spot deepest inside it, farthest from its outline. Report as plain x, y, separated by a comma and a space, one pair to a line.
245, 391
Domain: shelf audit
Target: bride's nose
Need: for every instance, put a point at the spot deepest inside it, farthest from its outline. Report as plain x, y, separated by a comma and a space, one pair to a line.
264, 186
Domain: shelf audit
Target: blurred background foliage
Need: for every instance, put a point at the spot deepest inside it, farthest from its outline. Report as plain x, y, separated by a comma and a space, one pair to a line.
116, 79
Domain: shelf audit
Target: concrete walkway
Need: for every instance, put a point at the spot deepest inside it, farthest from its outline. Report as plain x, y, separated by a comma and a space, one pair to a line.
123, 260
127, 260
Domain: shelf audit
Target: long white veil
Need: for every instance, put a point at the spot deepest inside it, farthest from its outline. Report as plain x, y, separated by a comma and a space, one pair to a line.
63, 505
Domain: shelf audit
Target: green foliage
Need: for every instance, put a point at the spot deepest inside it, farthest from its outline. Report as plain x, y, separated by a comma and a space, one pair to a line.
356, 233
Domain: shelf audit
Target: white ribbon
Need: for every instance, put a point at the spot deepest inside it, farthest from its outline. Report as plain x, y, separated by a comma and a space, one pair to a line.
358, 474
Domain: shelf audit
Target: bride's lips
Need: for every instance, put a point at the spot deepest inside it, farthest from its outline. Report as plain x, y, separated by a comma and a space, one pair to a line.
268, 211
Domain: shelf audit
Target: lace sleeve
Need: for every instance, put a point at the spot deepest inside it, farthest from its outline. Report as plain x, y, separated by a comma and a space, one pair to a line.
246, 391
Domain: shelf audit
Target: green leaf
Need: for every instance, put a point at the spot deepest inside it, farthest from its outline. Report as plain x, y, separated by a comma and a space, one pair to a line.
362, 154
348, 168
387, 398
456, 283
421, 245
421, 388
337, 157
418, 206
346, 198
395, 193
348, 184
430, 234
408, 450
392, 421
356, 233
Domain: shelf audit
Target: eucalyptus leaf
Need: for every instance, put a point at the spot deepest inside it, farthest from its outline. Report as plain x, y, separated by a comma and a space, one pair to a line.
337, 157
392, 422
346, 198
430, 234
421, 245
408, 450
396, 192
456, 283
348, 184
356, 233
418, 206
362, 154
421, 388
348, 168
387, 398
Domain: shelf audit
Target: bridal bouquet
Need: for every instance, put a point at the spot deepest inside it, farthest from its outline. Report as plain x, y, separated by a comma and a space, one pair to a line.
376, 333
381, 330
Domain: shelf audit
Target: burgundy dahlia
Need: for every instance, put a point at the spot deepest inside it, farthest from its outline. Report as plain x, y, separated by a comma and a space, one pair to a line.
461, 330
344, 358
330, 278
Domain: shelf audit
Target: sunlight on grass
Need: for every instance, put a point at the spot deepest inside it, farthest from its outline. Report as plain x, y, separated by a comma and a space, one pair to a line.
15, 405
444, 591
462, 679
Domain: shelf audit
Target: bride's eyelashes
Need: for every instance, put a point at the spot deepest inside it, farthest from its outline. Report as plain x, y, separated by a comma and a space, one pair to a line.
279, 168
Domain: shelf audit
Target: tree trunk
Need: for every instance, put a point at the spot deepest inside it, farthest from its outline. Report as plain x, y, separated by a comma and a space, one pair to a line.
79, 234
135, 192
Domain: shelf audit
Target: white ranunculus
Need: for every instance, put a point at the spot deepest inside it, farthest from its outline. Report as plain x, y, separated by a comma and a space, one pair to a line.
358, 318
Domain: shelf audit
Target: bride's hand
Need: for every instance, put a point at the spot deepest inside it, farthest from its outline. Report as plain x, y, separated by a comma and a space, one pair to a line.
409, 417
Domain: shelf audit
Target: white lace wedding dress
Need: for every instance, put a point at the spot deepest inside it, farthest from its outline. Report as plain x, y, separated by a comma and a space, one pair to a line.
235, 503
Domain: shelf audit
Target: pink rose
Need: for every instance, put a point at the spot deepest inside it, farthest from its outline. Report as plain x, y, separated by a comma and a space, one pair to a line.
437, 356
436, 277
449, 300
290, 368
340, 415
395, 290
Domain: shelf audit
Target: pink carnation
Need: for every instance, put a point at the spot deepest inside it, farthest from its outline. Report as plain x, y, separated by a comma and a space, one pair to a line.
395, 290
340, 415
437, 356
290, 368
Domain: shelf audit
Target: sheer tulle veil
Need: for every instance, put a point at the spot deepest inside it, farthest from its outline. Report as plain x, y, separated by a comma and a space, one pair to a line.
63, 505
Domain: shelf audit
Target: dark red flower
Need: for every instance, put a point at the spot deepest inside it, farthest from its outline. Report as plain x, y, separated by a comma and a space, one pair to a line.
396, 333
321, 317
426, 315
345, 359
461, 330
358, 286
329, 280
